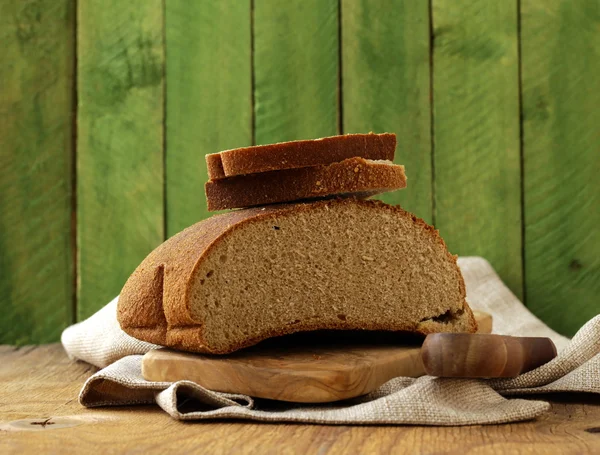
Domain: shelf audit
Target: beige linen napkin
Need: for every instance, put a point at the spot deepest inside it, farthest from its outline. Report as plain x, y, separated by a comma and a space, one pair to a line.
425, 401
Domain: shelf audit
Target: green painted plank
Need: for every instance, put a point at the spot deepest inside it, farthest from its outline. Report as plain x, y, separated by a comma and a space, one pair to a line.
296, 58
386, 86
209, 97
120, 143
36, 81
477, 171
560, 42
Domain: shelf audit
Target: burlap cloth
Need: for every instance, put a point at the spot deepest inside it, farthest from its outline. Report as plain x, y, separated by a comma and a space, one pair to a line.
425, 401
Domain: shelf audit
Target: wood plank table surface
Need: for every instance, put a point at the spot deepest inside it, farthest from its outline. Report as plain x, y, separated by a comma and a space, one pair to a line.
39, 413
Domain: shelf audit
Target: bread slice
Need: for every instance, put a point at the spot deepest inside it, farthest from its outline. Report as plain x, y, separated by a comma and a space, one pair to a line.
354, 175
296, 154
238, 278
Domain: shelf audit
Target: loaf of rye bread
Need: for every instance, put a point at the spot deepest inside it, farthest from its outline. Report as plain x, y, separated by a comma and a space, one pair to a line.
238, 278
297, 154
351, 176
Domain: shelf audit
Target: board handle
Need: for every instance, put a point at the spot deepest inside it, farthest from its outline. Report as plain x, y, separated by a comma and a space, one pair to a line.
465, 355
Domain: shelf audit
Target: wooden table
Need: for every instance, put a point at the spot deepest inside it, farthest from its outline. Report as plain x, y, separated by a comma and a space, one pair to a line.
39, 413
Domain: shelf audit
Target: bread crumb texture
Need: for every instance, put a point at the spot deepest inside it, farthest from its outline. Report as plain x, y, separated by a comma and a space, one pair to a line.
335, 264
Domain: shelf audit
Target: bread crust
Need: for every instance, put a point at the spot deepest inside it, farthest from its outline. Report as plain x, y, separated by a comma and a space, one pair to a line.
298, 154
154, 304
354, 175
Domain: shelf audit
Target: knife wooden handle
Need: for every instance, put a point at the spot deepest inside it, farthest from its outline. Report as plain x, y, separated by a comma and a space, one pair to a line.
465, 355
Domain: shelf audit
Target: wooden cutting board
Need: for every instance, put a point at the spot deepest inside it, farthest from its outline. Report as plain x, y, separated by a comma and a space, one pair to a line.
304, 368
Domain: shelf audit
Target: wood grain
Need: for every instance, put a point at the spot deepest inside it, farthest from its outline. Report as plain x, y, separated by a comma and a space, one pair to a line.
120, 144
561, 146
40, 383
303, 368
36, 146
295, 69
301, 374
386, 86
477, 186
209, 97
462, 355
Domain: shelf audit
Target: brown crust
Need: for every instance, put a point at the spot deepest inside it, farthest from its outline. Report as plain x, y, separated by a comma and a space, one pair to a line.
170, 269
214, 166
297, 154
354, 175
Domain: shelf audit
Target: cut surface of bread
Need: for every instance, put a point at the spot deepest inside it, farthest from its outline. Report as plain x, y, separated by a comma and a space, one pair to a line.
238, 278
354, 175
297, 154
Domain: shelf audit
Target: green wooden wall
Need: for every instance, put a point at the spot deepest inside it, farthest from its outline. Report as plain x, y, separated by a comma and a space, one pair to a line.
107, 109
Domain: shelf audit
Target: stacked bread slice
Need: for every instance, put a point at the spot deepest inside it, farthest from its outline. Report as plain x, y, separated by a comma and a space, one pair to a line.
355, 164
327, 258
297, 154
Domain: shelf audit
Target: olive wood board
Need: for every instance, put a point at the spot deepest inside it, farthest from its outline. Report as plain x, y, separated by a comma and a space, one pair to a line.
306, 368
